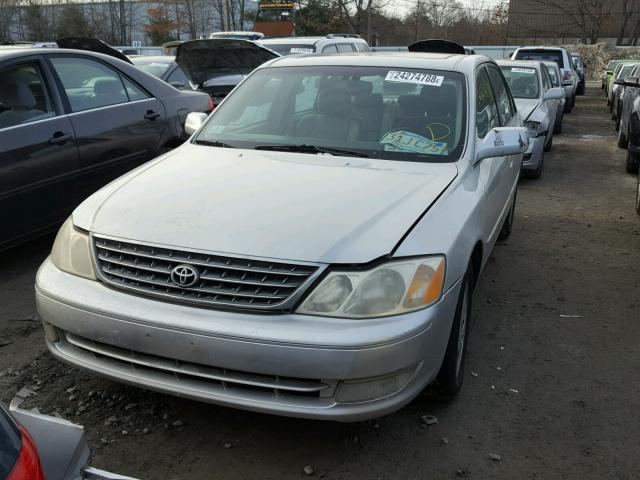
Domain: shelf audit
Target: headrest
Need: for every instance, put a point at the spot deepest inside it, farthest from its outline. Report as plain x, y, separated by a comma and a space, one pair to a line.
522, 84
439, 101
411, 104
367, 99
359, 86
107, 86
333, 102
17, 95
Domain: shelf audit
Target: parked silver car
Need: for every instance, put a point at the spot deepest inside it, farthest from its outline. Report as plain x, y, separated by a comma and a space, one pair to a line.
537, 103
311, 252
554, 75
617, 87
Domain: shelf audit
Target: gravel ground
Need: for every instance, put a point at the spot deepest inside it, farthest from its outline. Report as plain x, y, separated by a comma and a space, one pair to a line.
553, 389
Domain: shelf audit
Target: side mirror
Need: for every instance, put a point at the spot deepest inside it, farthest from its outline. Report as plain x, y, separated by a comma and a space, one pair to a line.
555, 93
193, 122
178, 85
502, 141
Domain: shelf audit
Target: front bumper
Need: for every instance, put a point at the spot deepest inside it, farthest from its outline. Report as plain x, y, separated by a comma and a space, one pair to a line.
292, 365
533, 156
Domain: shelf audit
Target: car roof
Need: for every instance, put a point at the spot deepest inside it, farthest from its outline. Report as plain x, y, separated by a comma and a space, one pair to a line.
520, 63
307, 40
541, 48
432, 61
153, 58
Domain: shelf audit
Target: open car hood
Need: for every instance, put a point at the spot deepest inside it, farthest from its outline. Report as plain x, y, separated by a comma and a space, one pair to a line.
92, 45
204, 60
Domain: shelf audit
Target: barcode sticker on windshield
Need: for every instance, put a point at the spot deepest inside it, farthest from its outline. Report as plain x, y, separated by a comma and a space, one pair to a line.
414, 77
522, 70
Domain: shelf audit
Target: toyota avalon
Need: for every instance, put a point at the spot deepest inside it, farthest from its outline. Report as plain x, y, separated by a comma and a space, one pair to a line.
311, 251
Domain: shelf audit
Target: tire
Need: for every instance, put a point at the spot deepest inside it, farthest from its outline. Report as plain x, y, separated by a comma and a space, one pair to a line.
567, 106
451, 374
505, 231
623, 140
557, 128
631, 164
537, 173
573, 101
547, 147
618, 123
638, 195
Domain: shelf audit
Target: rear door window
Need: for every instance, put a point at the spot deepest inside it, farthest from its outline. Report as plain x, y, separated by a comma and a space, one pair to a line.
330, 49
541, 56
89, 84
345, 48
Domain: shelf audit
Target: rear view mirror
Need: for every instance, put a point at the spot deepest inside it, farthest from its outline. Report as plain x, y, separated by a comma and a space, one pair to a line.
193, 122
555, 93
502, 141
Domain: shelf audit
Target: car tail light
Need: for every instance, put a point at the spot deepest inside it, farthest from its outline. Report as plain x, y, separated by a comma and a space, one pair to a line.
212, 105
566, 76
28, 465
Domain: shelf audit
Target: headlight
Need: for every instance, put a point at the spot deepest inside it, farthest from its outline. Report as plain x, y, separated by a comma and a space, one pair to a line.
71, 252
392, 288
532, 127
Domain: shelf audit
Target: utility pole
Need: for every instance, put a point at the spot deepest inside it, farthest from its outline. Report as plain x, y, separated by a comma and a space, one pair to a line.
417, 25
123, 24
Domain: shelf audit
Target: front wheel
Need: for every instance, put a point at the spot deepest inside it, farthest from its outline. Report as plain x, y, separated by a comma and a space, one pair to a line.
623, 141
451, 372
557, 128
547, 147
505, 231
632, 163
638, 195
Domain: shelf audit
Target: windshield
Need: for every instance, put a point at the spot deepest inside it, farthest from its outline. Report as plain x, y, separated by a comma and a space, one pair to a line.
155, 68
625, 71
522, 81
541, 56
386, 113
290, 48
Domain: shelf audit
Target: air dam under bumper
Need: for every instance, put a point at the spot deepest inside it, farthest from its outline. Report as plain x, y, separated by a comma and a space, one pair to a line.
292, 365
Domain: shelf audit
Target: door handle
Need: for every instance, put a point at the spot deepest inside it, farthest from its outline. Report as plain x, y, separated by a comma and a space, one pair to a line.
60, 138
151, 115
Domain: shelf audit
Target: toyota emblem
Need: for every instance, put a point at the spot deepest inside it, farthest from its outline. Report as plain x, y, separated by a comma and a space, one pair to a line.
184, 275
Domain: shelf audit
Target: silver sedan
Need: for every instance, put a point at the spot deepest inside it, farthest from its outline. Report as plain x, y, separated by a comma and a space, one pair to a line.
311, 252
537, 101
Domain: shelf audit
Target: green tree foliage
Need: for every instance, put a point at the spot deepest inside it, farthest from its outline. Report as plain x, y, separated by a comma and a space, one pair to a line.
319, 17
73, 22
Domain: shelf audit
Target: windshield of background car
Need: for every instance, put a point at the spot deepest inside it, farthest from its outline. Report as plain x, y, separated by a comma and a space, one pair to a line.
156, 68
541, 56
523, 81
290, 48
392, 113
625, 71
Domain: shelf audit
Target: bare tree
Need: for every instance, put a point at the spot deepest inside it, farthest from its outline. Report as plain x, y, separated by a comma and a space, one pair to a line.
8, 10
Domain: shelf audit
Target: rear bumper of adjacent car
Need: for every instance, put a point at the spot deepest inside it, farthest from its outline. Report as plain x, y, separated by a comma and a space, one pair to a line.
288, 364
533, 156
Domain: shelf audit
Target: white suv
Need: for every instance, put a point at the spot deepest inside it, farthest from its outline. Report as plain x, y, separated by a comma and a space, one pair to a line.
559, 55
332, 43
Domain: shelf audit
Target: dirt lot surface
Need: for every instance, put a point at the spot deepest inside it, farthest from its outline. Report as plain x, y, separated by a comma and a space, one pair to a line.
552, 387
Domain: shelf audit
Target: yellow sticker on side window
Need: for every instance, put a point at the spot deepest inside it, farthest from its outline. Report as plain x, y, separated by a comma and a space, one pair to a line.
403, 141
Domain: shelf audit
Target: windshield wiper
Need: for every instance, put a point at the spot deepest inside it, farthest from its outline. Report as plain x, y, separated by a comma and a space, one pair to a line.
211, 143
312, 149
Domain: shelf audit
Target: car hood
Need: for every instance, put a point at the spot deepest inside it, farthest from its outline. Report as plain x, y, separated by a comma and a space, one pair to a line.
314, 208
92, 45
204, 60
526, 106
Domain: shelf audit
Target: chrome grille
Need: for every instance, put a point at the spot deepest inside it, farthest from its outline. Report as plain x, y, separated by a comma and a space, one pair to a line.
223, 281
